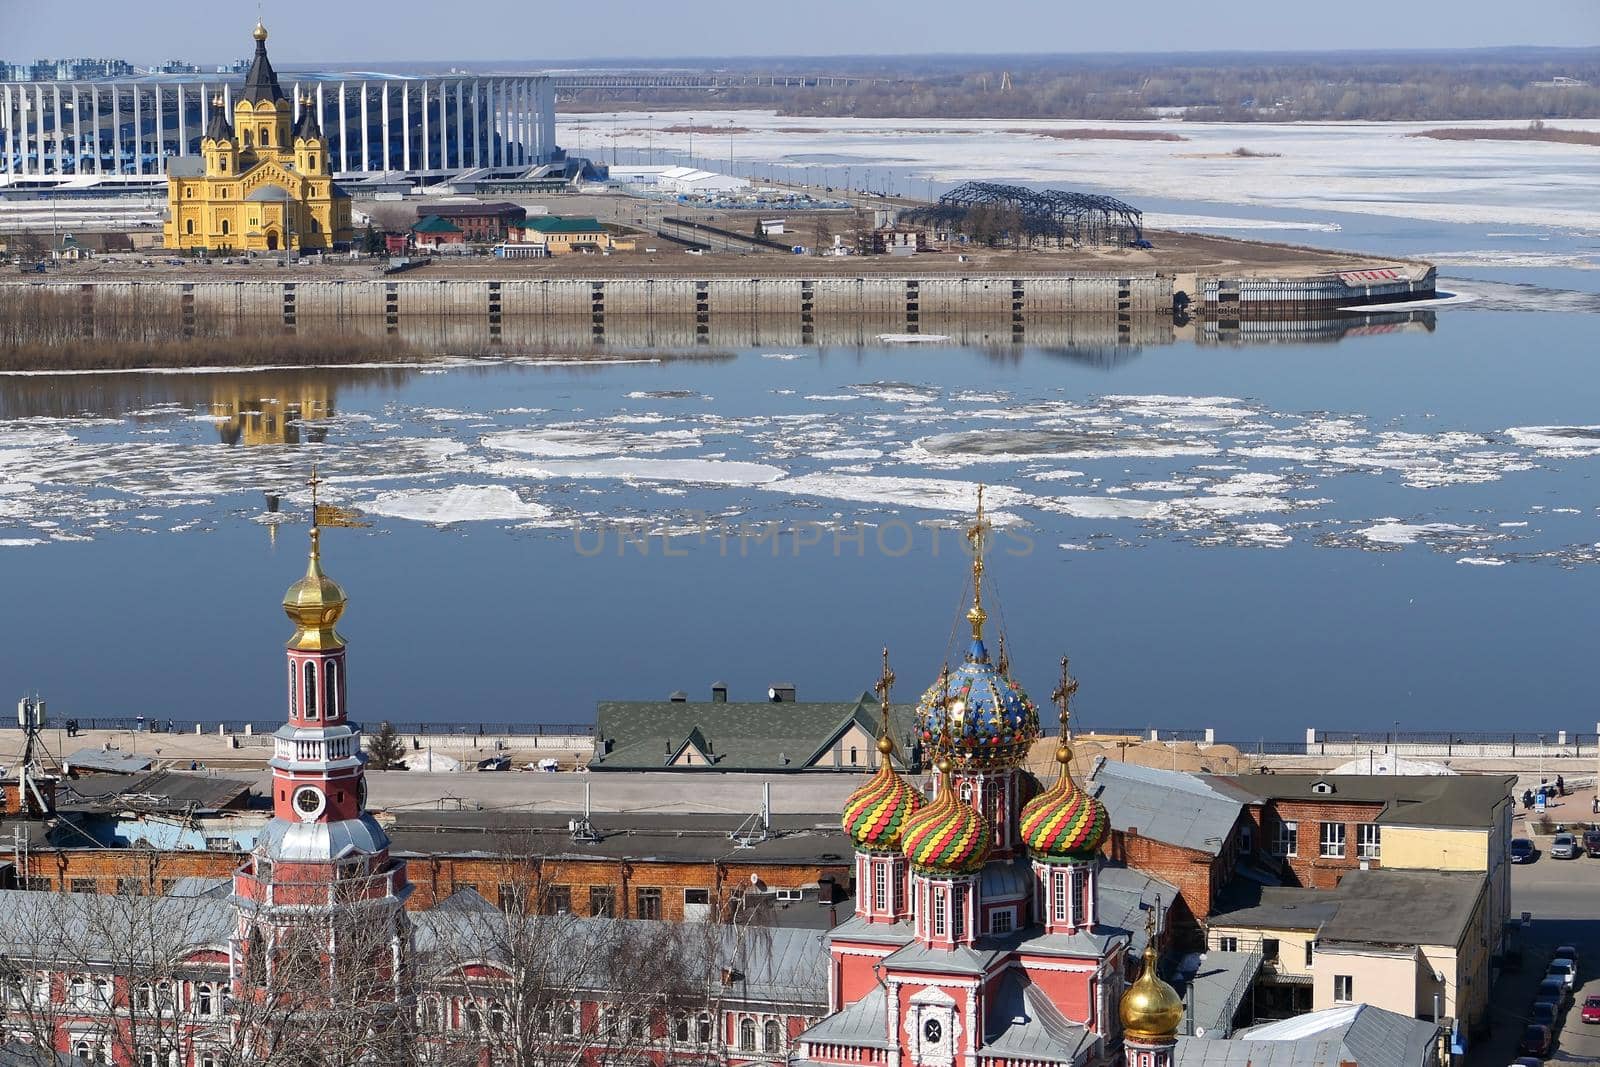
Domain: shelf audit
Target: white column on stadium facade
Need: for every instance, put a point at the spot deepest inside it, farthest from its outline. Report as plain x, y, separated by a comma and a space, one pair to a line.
405, 125
502, 124
344, 140
38, 125
549, 119
161, 132
527, 120
77, 131
116, 130
519, 110
24, 105
425, 127
490, 104
94, 125
9, 123
227, 100
294, 117
138, 128
55, 103
320, 120
183, 124
366, 130
385, 104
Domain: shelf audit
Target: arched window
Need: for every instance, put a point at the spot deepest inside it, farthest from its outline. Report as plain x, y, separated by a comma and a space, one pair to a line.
747, 1035
208, 1059
311, 690
84, 1052
293, 688
771, 1036
316, 227
203, 1000
703, 1028
247, 138
224, 221
266, 135
146, 997
256, 959
854, 756
430, 1015
312, 158
222, 168
569, 1020
335, 698
474, 1018
636, 1025
497, 1018
680, 1029
188, 226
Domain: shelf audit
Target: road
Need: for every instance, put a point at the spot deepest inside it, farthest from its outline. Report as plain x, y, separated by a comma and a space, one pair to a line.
1564, 899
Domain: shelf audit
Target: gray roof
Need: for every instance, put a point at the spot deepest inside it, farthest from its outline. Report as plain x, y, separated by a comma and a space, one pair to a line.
186, 166
864, 1023
1283, 908
156, 791
98, 929
1389, 907
270, 193
1357, 1034
1186, 810
1214, 987
24, 1054
1023, 1024
1124, 895
1459, 801
773, 736
775, 965
113, 760
624, 836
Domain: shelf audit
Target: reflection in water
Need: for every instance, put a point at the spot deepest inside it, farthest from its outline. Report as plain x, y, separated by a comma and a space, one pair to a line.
245, 417
267, 406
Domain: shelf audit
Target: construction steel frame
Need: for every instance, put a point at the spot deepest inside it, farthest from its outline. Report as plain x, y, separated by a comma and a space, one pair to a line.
1041, 215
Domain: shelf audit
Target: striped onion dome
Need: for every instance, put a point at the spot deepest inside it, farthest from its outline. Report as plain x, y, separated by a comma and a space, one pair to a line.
948, 836
876, 815
1064, 824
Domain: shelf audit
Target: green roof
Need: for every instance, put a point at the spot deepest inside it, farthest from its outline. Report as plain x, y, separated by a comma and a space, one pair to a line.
766, 736
434, 224
556, 224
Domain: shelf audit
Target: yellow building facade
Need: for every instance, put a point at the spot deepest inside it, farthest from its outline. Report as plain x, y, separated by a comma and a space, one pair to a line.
262, 182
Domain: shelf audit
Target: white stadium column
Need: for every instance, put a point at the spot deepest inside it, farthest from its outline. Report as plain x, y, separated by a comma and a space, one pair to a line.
549, 139
77, 131
38, 126
183, 125
116, 130
491, 111
385, 104
161, 132
321, 119
477, 126
94, 126
10, 125
366, 128
55, 126
425, 129
344, 140
294, 117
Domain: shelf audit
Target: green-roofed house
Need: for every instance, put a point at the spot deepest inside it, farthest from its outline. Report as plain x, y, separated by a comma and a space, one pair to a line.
555, 235
432, 232
775, 736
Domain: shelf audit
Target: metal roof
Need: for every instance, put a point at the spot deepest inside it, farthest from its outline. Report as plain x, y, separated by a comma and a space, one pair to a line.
771, 736
1357, 1034
108, 759
1214, 987
557, 224
1465, 801
863, 1024
1023, 1024
1180, 809
95, 928
1394, 907
198, 791
434, 224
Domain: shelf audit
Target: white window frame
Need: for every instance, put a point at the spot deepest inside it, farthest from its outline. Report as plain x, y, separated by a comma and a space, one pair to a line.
1333, 841
1369, 841
1286, 842
1346, 984
1228, 943
880, 885
1002, 920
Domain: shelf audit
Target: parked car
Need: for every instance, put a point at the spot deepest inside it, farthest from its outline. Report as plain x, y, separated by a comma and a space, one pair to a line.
1535, 1041
1554, 990
1522, 850
1545, 1013
1565, 970
495, 763
1564, 847
1591, 1009
1566, 952
1591, 842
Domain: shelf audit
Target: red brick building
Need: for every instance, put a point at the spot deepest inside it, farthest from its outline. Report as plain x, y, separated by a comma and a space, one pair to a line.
481, 223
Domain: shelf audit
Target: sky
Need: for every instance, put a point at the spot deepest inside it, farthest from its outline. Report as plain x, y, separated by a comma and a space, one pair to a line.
147, 31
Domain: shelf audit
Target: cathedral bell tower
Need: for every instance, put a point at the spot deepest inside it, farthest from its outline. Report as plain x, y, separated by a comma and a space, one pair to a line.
321, 904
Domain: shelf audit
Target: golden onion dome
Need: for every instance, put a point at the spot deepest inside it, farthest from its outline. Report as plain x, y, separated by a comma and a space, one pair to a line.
875, 815
314, 605
260, 32
1150, 1009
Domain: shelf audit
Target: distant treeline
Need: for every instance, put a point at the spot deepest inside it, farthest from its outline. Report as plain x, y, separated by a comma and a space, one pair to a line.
1420, 86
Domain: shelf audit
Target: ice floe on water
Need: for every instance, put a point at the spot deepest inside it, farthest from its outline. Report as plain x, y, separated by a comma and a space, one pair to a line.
460, 503
1090, 471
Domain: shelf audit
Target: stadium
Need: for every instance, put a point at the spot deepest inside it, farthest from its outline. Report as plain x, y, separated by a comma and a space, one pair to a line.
106, 135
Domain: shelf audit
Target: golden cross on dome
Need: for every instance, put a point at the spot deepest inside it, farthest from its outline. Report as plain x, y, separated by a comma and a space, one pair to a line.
885, 682
1150, 924
314, 482
1063, 697
1003, 662
977, 537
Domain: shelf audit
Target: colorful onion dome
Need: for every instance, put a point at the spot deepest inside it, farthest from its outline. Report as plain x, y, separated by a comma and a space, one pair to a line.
977, 715
875, 816
1064, 824
1150, 1009
948, 836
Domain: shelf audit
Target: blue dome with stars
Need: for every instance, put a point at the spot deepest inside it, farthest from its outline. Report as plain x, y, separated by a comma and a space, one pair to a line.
977, 715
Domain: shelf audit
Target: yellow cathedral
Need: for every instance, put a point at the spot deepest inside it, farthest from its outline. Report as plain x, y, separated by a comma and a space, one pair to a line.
257, 185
